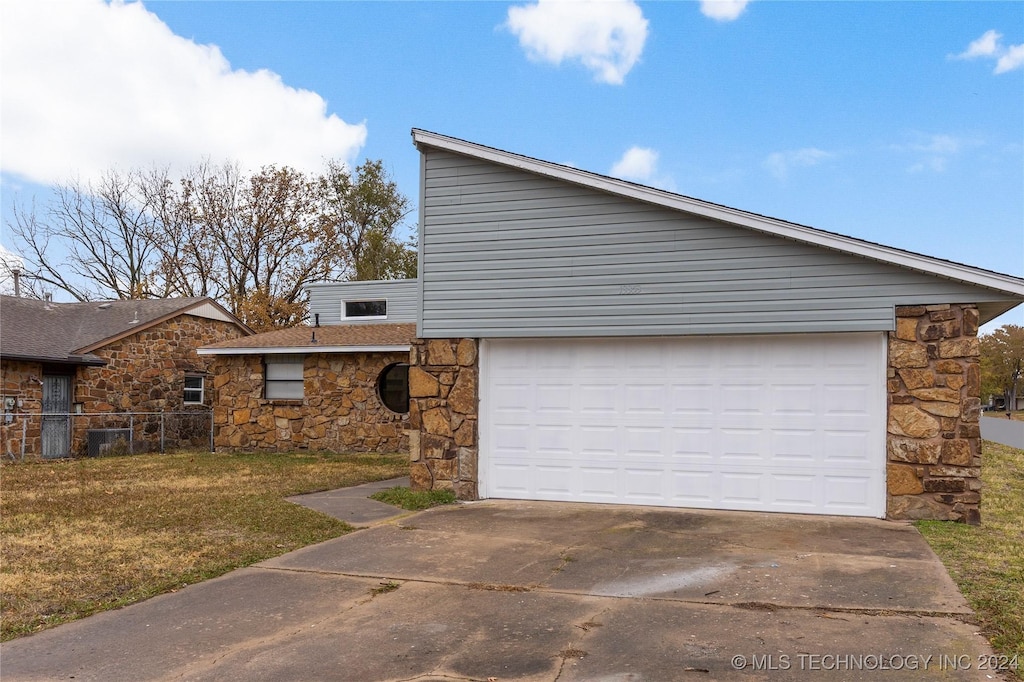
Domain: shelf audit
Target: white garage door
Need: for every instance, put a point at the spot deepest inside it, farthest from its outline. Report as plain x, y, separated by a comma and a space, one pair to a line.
789, 423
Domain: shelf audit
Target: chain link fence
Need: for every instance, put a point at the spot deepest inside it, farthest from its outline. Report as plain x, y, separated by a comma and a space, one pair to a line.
53, 435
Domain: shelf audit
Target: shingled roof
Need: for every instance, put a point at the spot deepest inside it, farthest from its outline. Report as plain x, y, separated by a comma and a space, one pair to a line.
68, 332
333, 338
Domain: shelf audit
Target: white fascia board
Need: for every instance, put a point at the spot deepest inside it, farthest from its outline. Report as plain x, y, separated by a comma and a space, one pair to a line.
356, 282
963, 273
286, 350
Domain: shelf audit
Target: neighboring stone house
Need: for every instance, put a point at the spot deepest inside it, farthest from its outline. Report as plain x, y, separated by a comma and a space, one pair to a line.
341, 386
72, 367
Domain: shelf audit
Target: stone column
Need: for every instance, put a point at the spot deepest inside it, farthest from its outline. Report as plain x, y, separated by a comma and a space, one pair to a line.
443, 416
934, 438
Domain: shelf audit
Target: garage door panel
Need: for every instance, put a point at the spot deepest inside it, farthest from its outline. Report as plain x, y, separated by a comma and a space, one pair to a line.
847, 448
776, 423
742, 488
691, 398
692, 487
642, 486
595, 441
849, 399
844, 494
553, 441
795, 446
741, 445
554, 479
692, 443
598, 398
797, 399
641, 441
511, 480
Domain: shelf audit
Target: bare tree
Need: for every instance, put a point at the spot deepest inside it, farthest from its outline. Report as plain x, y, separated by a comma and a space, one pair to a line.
252, 242
185, 212
91, 241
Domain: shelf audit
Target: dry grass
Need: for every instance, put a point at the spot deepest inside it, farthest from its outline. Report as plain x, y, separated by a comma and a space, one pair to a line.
82, 536
987, 561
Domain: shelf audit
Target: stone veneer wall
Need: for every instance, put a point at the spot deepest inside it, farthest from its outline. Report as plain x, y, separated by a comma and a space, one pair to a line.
17, 382
145, 372
341, 410
443, 419
934, 434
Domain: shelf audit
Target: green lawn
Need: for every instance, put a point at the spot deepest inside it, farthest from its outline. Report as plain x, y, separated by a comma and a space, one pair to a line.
987, 561
87, 535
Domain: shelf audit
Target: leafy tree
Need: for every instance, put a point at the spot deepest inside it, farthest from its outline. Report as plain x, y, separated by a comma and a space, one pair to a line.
364, 210
251, 242
1002, 363
381, 257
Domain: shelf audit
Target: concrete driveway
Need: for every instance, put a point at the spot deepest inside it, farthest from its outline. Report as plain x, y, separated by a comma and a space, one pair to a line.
548, 591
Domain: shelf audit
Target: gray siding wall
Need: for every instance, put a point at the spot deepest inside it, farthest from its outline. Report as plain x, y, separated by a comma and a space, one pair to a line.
507, 253
327, 298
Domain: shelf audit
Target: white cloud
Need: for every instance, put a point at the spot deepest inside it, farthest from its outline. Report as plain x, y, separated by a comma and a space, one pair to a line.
90, 85
723, 10
938, 144
638, 163
935, 151
606, 36
1012, 59
989, 46
780, 163
985, 46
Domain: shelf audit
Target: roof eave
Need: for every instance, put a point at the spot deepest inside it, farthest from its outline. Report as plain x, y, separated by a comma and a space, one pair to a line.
83, 360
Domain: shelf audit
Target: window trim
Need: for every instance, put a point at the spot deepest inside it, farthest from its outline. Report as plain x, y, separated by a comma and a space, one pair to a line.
283, 360
202, 390
346, 316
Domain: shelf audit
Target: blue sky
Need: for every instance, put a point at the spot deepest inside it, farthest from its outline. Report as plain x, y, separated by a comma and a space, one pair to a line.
899, 123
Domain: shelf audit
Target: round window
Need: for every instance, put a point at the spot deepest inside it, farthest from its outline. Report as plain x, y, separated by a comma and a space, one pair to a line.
393, 387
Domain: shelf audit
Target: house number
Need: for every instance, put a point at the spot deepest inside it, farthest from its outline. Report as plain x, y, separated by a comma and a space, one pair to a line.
630, 289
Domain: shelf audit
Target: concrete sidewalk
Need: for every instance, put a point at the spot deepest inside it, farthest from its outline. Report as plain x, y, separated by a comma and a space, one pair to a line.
1001, 430
548, 591
353, 505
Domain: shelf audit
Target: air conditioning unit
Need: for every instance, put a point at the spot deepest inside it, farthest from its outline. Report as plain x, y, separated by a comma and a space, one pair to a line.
100, 441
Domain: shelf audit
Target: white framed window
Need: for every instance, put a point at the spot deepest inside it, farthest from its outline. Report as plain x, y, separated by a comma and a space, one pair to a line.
195, 386
282, 377
370, 309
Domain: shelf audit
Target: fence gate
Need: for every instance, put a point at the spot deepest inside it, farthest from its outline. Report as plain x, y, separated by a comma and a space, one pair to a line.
56, 428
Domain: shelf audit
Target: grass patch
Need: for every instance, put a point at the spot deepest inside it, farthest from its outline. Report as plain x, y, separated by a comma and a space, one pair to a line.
491, 587
414, 500
987, 561
384, 588
88, 535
